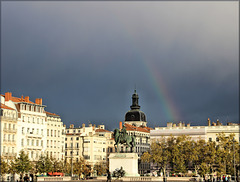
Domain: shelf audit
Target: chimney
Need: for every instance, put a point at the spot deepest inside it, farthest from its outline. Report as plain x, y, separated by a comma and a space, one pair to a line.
169, 124
83, 125
209, 122
120, 125
213, 124
38, 101
90, 125
71, 126
174, 125
8, 96
188, 125
26, 98
94, 126
180, 124
218, 123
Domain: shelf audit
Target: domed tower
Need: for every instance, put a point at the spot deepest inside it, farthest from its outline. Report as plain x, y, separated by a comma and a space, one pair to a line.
135, 116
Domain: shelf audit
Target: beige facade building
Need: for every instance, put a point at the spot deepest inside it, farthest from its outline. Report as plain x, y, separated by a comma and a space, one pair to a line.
55, 137
90, 142
8, 131
208, 133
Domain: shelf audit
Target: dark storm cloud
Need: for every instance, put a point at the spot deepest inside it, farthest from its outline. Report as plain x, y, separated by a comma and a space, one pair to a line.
84, 58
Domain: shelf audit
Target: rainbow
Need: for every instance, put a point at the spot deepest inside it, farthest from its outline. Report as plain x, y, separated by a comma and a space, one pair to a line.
164, 96
169, 107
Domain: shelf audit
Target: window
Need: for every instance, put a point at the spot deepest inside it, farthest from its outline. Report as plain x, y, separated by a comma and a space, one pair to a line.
42, 131
103, 149
37, 120
5, 125
210, 139
55, 133
13, 150
41, 142
22, 130
77, 145
28, 142
32, 142
65, 139
65, 145
47, 132
13, 138
47, 143
58, 133
9, 126
71, 138
13, 126
33, 120
86, 157
77, 138
37, 131
22, 142
37, 142
73, 131
9, 137
217, 139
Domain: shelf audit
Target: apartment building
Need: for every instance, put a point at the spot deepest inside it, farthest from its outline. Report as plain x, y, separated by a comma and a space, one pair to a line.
207, 133
55, 137
30, 125
8, 131
90, 142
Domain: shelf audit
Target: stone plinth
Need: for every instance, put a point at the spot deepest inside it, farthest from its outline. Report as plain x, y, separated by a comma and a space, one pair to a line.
128, 161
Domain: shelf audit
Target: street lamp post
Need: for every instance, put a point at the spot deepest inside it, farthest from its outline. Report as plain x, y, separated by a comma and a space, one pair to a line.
72, 162
234, 161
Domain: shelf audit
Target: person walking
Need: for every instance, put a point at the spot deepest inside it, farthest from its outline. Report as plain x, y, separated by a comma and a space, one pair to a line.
26, 178
109, 177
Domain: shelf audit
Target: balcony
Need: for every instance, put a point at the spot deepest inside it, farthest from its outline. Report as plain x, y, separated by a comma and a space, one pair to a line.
11, 130
5, 154
34, 147
9, 141
34, 135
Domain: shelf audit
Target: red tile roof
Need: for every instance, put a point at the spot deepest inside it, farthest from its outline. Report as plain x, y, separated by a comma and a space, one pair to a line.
101, 130
53, 114
17, 99
5, 107
135, 128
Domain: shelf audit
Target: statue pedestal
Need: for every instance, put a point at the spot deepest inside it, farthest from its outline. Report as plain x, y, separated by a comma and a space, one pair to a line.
128, 161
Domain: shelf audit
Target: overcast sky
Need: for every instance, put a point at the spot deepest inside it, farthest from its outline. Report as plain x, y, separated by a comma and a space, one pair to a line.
85, 58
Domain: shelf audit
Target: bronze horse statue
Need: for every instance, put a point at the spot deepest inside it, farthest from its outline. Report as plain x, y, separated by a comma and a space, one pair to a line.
123, 138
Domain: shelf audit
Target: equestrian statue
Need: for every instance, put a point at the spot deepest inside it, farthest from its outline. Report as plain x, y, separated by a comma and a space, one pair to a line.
121, 137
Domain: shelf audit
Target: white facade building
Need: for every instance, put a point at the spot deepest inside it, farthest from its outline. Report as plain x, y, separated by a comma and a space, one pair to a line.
31, 126
207, 133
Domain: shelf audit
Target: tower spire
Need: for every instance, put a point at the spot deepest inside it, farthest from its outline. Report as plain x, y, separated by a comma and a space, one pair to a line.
135, 98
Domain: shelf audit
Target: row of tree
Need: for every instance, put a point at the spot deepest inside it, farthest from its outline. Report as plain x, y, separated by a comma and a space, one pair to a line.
21, 165
180, 154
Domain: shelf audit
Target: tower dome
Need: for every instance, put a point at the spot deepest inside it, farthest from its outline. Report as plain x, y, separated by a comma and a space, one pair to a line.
135, 116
